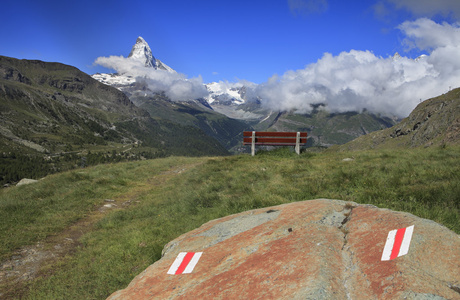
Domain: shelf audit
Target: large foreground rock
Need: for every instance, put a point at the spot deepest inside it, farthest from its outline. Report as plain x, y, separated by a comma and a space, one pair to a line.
318, 249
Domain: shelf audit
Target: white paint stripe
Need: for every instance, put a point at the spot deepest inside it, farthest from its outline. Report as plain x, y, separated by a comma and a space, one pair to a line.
192, 262
406, 241
176, 263
389, 245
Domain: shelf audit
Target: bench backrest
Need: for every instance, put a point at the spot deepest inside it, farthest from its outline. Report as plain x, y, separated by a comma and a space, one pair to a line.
266, 138
274, 138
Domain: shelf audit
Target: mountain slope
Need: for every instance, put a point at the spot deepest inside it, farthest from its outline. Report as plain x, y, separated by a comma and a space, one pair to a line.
198, 114
435, 121
60, 104
325, 129
51, 110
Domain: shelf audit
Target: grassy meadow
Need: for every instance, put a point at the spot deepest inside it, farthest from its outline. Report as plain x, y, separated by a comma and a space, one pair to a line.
158, 200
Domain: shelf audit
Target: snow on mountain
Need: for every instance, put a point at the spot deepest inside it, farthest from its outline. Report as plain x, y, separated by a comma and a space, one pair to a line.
236, 100
396, 57
219, 93
141, 52
421, 57
116, 80
225, 93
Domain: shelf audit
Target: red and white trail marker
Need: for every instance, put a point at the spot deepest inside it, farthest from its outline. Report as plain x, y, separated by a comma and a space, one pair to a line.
398, 242
184, 263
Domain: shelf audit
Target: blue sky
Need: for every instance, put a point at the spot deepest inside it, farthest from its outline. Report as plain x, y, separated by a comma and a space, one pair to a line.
218, 40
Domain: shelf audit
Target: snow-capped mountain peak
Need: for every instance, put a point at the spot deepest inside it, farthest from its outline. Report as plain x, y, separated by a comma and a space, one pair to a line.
224, 92
397, 57
141, 51
218, 93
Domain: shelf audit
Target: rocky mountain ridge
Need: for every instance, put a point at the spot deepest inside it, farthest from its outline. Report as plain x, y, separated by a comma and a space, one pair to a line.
433, 122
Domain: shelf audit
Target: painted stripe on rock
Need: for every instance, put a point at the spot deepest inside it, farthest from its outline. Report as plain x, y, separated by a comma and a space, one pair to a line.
406, 242
184, 263
398, 242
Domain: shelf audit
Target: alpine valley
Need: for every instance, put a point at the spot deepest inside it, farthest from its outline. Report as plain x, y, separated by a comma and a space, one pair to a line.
54, 117
229, 108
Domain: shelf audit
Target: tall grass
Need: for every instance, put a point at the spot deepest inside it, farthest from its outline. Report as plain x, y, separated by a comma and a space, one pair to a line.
425, 182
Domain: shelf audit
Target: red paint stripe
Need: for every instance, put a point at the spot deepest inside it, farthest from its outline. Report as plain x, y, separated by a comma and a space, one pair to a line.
397, 244
185, 261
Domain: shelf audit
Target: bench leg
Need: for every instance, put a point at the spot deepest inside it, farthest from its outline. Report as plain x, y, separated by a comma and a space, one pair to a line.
297, 143
253, 145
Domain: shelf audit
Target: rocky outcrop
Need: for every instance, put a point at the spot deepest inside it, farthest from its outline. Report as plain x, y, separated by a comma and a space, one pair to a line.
318, 249
434, 122
431, 120
26, 181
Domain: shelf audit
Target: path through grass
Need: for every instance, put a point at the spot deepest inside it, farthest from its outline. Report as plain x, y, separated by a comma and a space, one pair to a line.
175, 195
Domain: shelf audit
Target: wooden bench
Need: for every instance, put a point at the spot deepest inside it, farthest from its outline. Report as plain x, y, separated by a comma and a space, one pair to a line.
264, 138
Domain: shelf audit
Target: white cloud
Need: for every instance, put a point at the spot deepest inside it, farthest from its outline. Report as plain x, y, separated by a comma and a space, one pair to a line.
175, 85
429, 8
357, 80
351, 81
425, 34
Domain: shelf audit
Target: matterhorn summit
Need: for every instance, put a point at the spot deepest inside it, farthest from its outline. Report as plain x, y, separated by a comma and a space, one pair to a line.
137, 76
141, 51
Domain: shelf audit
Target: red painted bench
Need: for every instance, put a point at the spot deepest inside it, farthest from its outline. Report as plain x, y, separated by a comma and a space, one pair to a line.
264, 138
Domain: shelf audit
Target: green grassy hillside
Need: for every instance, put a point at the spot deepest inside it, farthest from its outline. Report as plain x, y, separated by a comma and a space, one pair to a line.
52, 115
98, 249
434, 122
226, 130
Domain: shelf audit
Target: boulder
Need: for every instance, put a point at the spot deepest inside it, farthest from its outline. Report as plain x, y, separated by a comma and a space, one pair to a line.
317, 249
25, 181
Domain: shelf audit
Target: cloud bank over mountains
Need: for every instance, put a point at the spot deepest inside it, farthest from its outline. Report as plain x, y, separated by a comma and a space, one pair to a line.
175, 85
357, 80
351, 81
